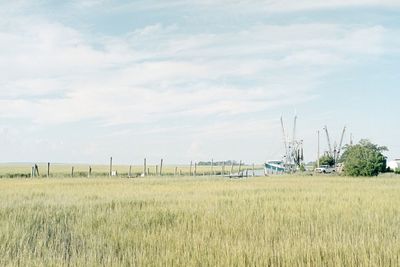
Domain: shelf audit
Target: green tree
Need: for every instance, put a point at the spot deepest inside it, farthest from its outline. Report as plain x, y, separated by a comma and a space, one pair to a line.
327, 160
302, 167
364, 159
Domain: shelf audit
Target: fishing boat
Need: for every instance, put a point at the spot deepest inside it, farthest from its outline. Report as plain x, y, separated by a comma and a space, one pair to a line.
274, 166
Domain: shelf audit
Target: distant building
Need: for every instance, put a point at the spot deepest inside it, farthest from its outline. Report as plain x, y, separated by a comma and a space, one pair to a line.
393, 165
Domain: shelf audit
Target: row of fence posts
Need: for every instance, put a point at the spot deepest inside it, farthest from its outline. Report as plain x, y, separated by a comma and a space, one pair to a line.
35, 171
193, 169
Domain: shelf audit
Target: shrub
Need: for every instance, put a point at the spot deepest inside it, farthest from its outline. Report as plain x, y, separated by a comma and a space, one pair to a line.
364, 159
327, 160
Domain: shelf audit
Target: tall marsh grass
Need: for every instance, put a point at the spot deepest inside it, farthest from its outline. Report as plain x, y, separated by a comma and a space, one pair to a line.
300, 221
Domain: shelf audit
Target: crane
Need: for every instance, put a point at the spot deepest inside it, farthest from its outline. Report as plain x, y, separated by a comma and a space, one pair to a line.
340, 144
329, 141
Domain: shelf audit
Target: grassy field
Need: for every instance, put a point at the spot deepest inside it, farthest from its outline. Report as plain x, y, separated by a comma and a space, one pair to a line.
203, 221
81, 170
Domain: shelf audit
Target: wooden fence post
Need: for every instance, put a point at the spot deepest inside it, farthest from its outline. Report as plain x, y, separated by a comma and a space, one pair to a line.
161, 166
72, 171
111, 163
144, 167
130, 171
37, 170
48, 169
90, 171
195, 169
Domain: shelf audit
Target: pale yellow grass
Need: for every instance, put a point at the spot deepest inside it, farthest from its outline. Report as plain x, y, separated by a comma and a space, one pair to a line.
280, 221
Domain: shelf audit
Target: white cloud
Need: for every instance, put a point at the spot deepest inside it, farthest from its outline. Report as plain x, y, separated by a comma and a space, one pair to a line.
54, 74
268, 6
203, 88
291, 5
160, 79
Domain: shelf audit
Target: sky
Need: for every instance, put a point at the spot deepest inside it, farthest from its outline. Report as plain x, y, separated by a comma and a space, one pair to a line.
183, 80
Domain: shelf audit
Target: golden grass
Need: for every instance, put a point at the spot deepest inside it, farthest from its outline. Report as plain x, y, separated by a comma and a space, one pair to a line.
279, 221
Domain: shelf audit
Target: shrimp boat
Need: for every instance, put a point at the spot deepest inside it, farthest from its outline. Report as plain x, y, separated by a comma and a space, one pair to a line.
274, 166
293, 157
279, 167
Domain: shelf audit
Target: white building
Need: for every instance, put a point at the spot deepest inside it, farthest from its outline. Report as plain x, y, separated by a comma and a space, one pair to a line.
393, 165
